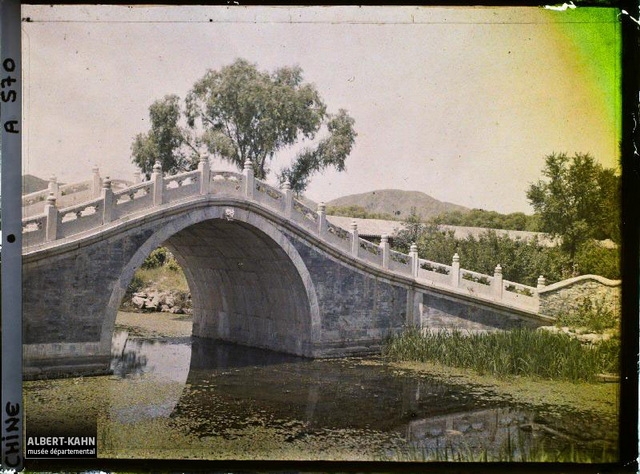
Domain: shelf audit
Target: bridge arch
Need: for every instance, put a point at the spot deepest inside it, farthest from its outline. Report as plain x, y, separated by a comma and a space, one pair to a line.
249, 284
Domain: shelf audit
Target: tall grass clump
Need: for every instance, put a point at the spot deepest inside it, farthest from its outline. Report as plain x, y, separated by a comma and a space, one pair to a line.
519, 352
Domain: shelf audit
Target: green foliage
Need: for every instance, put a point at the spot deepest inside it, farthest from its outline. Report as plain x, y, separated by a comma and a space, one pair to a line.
578, 200
161, 257
156, 259
137, 283
357, 212
594, 314
520, 352
330, 151
522, 261
246, 114
172, 264
596, 259
411, 231
488, 219
166, 142
240, 113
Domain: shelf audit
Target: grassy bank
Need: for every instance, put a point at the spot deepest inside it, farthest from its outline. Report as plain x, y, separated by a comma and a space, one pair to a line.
520, 352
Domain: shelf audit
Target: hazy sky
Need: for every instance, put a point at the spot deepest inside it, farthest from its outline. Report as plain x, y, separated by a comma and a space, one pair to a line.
461, 103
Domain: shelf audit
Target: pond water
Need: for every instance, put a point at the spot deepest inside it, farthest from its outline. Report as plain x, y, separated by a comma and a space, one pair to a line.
190, 397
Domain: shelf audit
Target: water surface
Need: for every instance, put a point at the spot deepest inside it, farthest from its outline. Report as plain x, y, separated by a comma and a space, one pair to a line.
228, 397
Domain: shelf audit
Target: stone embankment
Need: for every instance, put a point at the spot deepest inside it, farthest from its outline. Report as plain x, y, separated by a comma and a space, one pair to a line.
153, 300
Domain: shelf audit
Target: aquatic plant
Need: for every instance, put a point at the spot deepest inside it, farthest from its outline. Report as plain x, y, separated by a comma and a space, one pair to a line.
520, 352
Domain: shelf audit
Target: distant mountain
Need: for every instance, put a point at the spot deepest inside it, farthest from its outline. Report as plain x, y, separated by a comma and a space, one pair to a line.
31, 184
397, 203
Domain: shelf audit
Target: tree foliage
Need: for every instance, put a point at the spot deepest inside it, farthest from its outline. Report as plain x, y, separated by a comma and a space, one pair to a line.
358, 212
239, 113
412, 229
246, 114
522, 261
165, 142
488, 219
578, 200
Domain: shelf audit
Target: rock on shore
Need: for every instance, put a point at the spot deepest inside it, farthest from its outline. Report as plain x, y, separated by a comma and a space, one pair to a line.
150, 300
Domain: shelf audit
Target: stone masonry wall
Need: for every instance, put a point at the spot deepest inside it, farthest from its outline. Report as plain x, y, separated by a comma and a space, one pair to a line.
355, 308
62, 303
557, 300
443, 313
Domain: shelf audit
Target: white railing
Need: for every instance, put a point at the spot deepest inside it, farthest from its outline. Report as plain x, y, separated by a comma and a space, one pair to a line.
110, 205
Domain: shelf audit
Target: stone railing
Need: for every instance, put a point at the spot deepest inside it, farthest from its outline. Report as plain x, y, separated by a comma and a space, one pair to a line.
110, 204
67, 195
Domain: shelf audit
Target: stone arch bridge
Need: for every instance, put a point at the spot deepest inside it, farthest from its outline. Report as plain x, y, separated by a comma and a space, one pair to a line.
264, 270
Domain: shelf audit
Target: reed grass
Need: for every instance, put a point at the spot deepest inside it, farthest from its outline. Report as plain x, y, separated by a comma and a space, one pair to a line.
519, 352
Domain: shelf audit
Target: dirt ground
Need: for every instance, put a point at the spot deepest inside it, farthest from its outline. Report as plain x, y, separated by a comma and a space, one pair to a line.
155, 324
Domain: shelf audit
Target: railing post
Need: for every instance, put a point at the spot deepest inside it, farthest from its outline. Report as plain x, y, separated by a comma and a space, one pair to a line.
107, 201
51, 211
136, 177
355, 240
384, 245
96, 184
497, 282
542, 282
322, 218
288, 198
249, 180
455, 271
158, 183
53, 187
204, 168
413, 257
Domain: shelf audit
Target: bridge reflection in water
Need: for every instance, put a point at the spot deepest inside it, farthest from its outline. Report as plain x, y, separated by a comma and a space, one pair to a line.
230, 388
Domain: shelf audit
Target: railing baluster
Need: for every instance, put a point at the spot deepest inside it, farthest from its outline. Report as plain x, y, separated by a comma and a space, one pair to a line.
355, 243
322, 219
107, 201
384, 244
497, 282
51, 212
249, 180
204, 168
158, 184
455, 271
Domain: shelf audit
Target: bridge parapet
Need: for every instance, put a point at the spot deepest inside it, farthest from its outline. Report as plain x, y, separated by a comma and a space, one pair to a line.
111, 205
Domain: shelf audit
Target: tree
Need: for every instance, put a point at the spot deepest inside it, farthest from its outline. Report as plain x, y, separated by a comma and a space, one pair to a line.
166, 142
577, 201
412, 229
243, 114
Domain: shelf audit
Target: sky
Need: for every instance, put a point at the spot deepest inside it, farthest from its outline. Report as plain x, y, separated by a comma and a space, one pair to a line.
462, 104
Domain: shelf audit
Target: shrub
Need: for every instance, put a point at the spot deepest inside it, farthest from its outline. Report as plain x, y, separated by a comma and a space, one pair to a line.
156, 258
593, 314
172, 264
137, 283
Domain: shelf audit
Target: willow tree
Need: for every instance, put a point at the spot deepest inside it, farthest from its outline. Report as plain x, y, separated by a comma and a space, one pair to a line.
240, 114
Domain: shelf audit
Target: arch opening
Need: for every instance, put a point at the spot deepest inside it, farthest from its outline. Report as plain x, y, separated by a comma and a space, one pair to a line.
248, 284
244, 287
